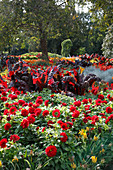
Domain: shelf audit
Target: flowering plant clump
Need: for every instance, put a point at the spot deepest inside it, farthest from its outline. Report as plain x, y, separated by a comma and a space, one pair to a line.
46, 130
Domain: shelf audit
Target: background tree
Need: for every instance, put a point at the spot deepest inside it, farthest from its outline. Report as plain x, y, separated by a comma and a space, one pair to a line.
107, 45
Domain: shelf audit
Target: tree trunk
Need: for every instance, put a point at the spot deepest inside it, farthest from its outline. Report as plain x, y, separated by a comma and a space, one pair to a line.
43, 42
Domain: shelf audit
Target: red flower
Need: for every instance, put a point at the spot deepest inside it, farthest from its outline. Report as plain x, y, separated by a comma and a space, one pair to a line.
14, 138
17, 92
64, 137
21, 102
95, 118
110, 117
39, 101
108, 109
101, 96
94, 91
77, 103
85, 101
6, 104
13, 110
24, 123
4, 93
72, 108
106, 121
98, 102
45, 113
7, 126
59, 122
69, 124
3, 143
13, 97
24, 112
4, 99
75, 114
52, 95
90, 100
38, 111
30, 104
64, 104
31, 119
15, 103
51, 151
104, 101
49, 123
46, 102
32, 110
43, 129
56, 113
64, 126
37, 128
6, 112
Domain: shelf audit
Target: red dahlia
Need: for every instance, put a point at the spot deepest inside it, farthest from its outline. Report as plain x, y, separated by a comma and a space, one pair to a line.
21, 102
7, 126
51, 151
108, 109
64, 137
38, 111
56, 113
14, 138
101, 96
4, 99
32, 110
46, 103
75, 114
64, 126
24, 112
3, 143
13, 97
45, 113
31, 119
13, 110
24, 123
77, 103
85, 101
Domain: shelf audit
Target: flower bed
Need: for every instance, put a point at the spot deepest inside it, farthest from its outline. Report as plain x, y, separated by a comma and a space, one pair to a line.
52, 131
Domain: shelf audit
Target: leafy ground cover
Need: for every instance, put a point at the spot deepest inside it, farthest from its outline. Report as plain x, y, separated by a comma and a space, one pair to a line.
52, 131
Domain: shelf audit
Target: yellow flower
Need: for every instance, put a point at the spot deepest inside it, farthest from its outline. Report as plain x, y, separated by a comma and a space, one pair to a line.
0, 163
73, 17
95, 138
85, 135
15, 159
94, 159
87, 128
103, 150
81, 131
73, 165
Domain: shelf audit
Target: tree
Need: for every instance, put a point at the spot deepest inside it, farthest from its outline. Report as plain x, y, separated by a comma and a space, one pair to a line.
41, 17
107, 45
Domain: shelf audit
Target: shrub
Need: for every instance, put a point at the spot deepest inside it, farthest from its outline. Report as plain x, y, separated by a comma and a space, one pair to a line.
66, 47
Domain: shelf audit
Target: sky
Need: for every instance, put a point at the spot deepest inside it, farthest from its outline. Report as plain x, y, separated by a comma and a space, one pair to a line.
83, 9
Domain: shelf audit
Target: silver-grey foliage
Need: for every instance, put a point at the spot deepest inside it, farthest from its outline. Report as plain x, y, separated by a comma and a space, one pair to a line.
104, 75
